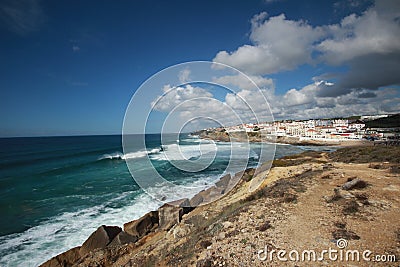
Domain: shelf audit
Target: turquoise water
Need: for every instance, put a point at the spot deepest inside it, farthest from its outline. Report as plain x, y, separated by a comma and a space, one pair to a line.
55, 191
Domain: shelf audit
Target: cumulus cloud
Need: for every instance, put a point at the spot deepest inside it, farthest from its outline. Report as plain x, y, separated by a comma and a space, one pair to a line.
249, 104
306, 102
174, 96
186, 104
184, 76
249, 95
278, 44
251, 82
240, 105
367, 44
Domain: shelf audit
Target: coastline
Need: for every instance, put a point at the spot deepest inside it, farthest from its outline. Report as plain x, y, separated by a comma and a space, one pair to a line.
223, 136
233, 228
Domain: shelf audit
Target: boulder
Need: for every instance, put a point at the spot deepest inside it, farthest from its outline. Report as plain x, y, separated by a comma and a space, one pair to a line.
206, 196
169, 216
99, 238
122, 238
354, 184
183, 203
197, 199
248, 174
143, 225
180, 230
68, 258
212, 193
223, 181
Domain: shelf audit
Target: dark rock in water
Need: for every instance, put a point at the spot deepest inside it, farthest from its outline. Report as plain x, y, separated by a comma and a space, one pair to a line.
169, 216
99, 239
68, 258
122, 238
354, 184
224, 181
143, 225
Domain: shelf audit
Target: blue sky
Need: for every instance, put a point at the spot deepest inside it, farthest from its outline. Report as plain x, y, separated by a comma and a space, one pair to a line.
71, 67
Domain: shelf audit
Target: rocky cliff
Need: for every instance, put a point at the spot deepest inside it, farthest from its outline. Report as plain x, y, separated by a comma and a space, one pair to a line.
307, 201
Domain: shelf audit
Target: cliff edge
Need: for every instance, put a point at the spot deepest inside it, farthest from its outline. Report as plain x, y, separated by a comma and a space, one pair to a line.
307, 202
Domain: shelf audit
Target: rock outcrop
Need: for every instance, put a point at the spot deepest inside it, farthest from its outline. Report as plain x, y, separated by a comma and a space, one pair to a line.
99, 239
143, 225
197, 199
169, 216
122, 238
354, 184
68, 258
223, 182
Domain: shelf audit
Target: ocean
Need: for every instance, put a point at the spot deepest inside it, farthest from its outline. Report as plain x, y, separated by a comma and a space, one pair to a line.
55, 191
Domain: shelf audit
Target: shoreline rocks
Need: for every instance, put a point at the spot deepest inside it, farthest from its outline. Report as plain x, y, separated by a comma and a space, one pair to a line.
68, 258
167, 217
307, 192
143, 225
99, 238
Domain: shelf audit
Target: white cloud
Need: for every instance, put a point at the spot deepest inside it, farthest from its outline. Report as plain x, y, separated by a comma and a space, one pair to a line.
368, 44
184, 76
174, 96
75, 48
186, 103
306, 103
242, 82
376, 31
278, 44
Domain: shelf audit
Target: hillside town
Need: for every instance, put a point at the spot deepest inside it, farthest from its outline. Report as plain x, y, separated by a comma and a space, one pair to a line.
321, 129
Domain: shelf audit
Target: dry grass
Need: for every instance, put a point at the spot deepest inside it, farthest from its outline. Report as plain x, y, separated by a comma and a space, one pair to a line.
389, 154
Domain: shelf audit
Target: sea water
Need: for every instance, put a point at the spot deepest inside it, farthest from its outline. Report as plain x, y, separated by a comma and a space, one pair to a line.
55, 191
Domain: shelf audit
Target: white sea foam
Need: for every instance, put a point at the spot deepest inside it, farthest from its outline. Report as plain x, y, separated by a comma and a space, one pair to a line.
38, 244
70, 229
184, 152
132, 155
